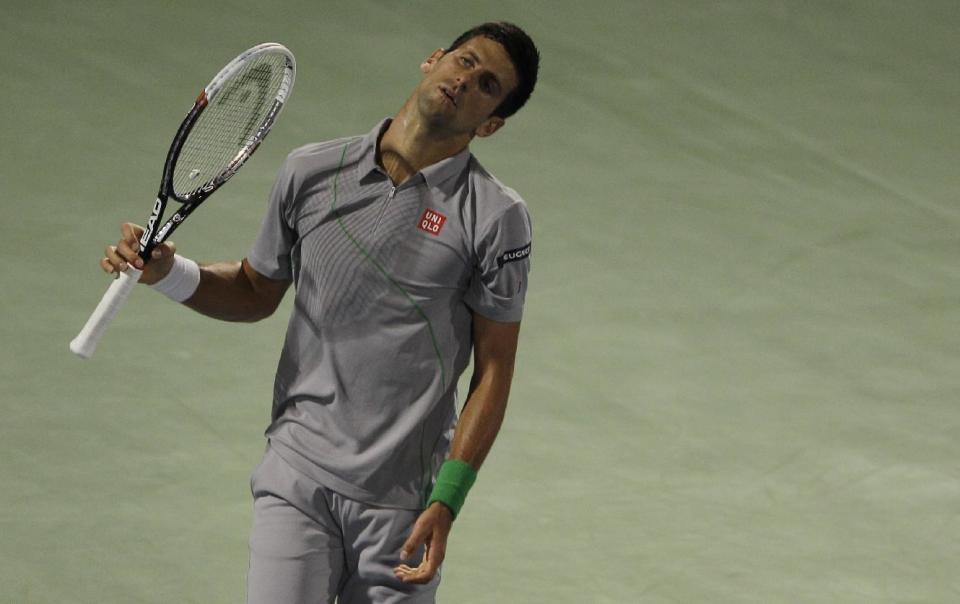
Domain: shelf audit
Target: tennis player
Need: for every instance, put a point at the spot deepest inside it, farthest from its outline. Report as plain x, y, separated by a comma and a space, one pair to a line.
406, 255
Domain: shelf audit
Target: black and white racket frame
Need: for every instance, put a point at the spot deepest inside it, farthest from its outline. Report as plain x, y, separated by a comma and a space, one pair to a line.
154, 233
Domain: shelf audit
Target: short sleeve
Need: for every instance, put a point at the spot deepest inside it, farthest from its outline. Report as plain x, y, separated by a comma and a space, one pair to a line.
499, 283
270, 253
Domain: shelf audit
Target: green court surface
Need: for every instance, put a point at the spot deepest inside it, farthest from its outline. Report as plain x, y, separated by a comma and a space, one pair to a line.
739, 373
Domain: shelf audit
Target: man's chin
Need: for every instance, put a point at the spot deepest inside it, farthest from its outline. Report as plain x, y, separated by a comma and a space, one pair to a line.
438, 119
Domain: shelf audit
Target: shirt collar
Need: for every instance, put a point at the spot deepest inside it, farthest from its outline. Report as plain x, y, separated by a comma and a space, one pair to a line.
433, 175
445, 169
368, 150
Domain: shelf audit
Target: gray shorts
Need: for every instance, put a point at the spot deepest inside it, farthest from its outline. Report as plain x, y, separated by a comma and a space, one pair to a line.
310, 545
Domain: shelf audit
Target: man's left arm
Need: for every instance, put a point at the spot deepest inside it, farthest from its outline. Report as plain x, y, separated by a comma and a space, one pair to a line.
495, 348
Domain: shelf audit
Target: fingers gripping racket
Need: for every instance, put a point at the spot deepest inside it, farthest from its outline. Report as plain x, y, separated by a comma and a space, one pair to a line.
227, 123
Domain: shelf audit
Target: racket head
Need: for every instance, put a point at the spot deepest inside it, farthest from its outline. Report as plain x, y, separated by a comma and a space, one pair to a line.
229, 120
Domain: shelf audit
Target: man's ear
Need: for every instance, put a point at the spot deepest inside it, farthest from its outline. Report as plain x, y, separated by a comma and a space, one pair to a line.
427, 65
489, 126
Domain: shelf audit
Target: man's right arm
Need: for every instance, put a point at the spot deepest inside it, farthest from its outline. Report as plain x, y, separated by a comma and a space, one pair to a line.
229, 291
235, 291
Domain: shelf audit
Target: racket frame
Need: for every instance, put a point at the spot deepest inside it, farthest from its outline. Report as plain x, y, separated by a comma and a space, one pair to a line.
154, 234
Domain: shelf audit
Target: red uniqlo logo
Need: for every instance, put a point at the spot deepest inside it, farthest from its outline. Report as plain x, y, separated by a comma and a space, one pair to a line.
432, 222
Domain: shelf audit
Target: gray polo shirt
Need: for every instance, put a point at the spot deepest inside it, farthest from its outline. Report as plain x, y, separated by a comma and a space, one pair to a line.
386, 278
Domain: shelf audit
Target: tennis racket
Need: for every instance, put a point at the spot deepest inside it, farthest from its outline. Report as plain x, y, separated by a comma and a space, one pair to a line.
227, 123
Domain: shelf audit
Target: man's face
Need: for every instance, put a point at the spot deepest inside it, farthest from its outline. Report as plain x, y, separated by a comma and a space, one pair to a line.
461, 88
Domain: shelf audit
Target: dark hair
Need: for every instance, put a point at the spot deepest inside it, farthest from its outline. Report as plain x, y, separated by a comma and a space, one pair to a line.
523, 54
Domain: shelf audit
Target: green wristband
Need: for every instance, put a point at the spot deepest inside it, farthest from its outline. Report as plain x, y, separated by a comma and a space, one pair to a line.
454, 480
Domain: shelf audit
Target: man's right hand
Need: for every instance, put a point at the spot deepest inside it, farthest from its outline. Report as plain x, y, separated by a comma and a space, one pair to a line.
125, 253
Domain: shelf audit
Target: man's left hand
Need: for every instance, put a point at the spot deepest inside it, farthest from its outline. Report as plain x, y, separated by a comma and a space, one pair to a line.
430, 530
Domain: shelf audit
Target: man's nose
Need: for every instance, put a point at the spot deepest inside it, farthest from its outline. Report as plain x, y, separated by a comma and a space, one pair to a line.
462, 83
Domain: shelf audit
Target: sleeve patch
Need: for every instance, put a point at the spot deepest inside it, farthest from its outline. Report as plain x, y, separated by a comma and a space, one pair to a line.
513, 255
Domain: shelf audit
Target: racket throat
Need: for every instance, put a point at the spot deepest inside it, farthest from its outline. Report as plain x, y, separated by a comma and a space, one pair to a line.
147, 239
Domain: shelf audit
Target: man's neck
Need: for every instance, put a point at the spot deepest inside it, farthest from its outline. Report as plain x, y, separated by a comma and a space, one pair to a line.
409, 145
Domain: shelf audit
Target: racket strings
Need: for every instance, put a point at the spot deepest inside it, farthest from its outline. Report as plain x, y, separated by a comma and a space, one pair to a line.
230, 125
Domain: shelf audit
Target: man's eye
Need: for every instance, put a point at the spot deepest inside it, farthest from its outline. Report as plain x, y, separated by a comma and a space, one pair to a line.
487, 85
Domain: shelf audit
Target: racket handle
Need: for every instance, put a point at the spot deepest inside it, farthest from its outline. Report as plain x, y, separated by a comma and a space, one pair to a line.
86, 341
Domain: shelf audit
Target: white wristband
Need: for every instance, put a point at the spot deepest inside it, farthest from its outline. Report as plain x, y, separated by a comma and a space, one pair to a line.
182, 280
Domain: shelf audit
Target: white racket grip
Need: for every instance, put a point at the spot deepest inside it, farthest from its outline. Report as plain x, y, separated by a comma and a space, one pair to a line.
86, 341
